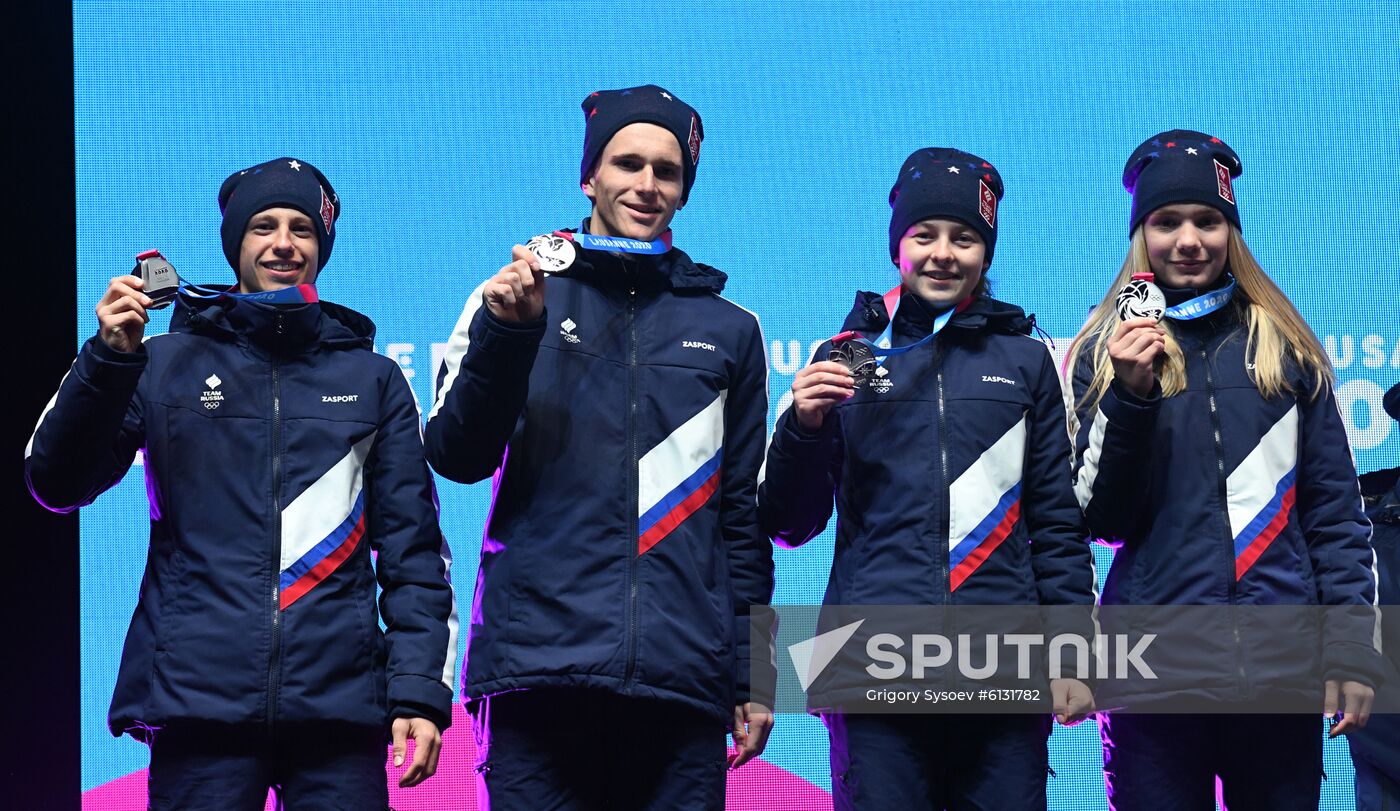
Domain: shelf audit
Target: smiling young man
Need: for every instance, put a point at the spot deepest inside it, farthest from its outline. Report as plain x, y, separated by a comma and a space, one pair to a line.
279, 452
621, 407
947, 468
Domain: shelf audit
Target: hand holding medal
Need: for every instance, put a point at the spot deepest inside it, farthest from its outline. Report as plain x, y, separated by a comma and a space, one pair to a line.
121, 314
1139, 342
516, 292
819, 387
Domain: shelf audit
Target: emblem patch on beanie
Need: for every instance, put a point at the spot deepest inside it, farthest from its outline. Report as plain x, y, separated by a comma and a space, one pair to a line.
694, 140
1222, 183
987, 205
327, 211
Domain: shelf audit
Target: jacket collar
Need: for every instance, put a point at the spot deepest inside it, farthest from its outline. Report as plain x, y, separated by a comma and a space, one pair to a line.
274, 328
673, 270
914, 317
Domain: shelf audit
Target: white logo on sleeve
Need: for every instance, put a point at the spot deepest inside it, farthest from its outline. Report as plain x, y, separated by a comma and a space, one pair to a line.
212, 396
566, 329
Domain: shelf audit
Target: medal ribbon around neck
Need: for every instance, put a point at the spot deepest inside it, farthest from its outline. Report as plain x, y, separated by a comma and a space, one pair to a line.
1202, 305
557, 253
880, 347
162, 283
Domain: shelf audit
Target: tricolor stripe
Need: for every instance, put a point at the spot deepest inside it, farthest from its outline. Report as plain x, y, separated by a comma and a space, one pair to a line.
1261, 490
679, 504
984, 504
677, 477
322, 526
979, 544
325, 557
1260, 532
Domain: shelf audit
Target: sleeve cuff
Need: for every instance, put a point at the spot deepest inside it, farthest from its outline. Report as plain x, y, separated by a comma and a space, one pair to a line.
795, 432
419, 696
1350, 661
516, 330
108, 368
1126, 410
756, 671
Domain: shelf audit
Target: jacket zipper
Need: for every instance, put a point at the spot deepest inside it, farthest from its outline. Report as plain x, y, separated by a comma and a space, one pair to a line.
274, 663
1223, 492
633, 522
944, 513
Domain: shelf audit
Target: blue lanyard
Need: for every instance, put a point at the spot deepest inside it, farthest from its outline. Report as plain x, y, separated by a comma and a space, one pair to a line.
297, 294
594, 242
881, 348
1202, 305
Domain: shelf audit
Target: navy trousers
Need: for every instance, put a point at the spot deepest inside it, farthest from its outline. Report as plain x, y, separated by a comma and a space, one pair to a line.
935, 762
230, 768
575, 749
1171, 762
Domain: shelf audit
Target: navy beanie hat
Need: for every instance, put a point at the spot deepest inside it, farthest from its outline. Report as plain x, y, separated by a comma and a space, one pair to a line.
1182, 166
282, 182
941, 182
608, 111
1392, 402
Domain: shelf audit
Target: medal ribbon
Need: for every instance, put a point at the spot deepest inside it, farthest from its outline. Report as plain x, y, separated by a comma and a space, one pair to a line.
1202, 305
298, 294
881, 348
593, 242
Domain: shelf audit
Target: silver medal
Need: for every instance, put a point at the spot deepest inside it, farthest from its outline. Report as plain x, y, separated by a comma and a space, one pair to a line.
1140, 298
554, 252
856, 357
161, 282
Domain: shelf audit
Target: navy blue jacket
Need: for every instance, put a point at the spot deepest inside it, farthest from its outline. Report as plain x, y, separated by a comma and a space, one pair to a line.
951, 471
1220, 496
279, 452
625, 432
